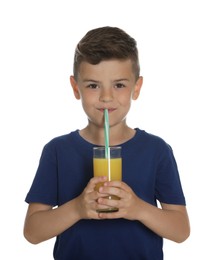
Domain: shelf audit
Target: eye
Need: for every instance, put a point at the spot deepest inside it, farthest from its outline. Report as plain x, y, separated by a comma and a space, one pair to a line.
119, 85
92, 86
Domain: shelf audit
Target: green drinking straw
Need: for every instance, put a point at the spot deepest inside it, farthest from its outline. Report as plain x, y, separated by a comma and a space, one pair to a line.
107, 149
106, 129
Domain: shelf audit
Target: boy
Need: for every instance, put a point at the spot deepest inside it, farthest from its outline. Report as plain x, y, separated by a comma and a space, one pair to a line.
62, 200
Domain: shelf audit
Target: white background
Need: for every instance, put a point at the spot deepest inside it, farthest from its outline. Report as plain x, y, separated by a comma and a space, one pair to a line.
176, 45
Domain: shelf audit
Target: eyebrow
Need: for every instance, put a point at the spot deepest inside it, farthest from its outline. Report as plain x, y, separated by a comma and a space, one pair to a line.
97, 81
91, 80
121, 80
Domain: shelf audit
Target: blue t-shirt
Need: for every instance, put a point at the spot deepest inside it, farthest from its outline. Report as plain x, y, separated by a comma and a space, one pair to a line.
148, 167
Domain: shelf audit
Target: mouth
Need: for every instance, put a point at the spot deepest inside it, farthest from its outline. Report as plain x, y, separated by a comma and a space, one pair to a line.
109, 109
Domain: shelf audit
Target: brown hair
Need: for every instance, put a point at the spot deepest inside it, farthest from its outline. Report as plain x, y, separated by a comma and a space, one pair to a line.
106, 43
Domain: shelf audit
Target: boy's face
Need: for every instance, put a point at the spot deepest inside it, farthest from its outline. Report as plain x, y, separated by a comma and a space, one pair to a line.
110, 84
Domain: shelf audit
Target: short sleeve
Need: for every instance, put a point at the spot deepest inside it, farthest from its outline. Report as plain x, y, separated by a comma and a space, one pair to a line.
44, 186
168, 184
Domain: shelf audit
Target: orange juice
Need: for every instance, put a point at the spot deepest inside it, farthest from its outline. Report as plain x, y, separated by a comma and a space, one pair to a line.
101, 169
110, 167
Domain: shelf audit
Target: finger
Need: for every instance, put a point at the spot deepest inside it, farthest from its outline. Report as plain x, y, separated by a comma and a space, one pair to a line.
118, 184
95, 195
105, 204
93, 181
109, 215
109, 202
112, 190
96, 180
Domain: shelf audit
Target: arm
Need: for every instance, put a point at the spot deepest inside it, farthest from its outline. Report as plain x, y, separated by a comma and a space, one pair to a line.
43, 222
170, 221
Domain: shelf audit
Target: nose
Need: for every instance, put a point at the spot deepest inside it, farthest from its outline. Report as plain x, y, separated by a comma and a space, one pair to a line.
106, 95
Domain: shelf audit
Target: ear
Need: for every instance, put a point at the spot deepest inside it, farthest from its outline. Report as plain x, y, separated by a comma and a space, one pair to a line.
75, 87
137, 88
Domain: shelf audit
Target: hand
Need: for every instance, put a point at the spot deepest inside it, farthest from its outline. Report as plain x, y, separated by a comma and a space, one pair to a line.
129, 204
87, 201
170, 221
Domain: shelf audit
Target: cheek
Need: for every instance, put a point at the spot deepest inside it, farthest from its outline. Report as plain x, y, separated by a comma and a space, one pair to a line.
88, 101
87, 98
125, 100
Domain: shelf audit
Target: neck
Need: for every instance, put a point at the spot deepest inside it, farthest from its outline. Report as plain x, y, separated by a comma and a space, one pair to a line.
118, 134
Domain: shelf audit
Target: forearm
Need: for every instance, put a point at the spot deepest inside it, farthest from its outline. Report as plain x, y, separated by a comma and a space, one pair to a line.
42, 222
45, 224
167, 223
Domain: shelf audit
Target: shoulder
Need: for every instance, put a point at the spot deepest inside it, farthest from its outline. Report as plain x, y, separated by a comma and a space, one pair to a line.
152, 143
149, 138
62, 140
